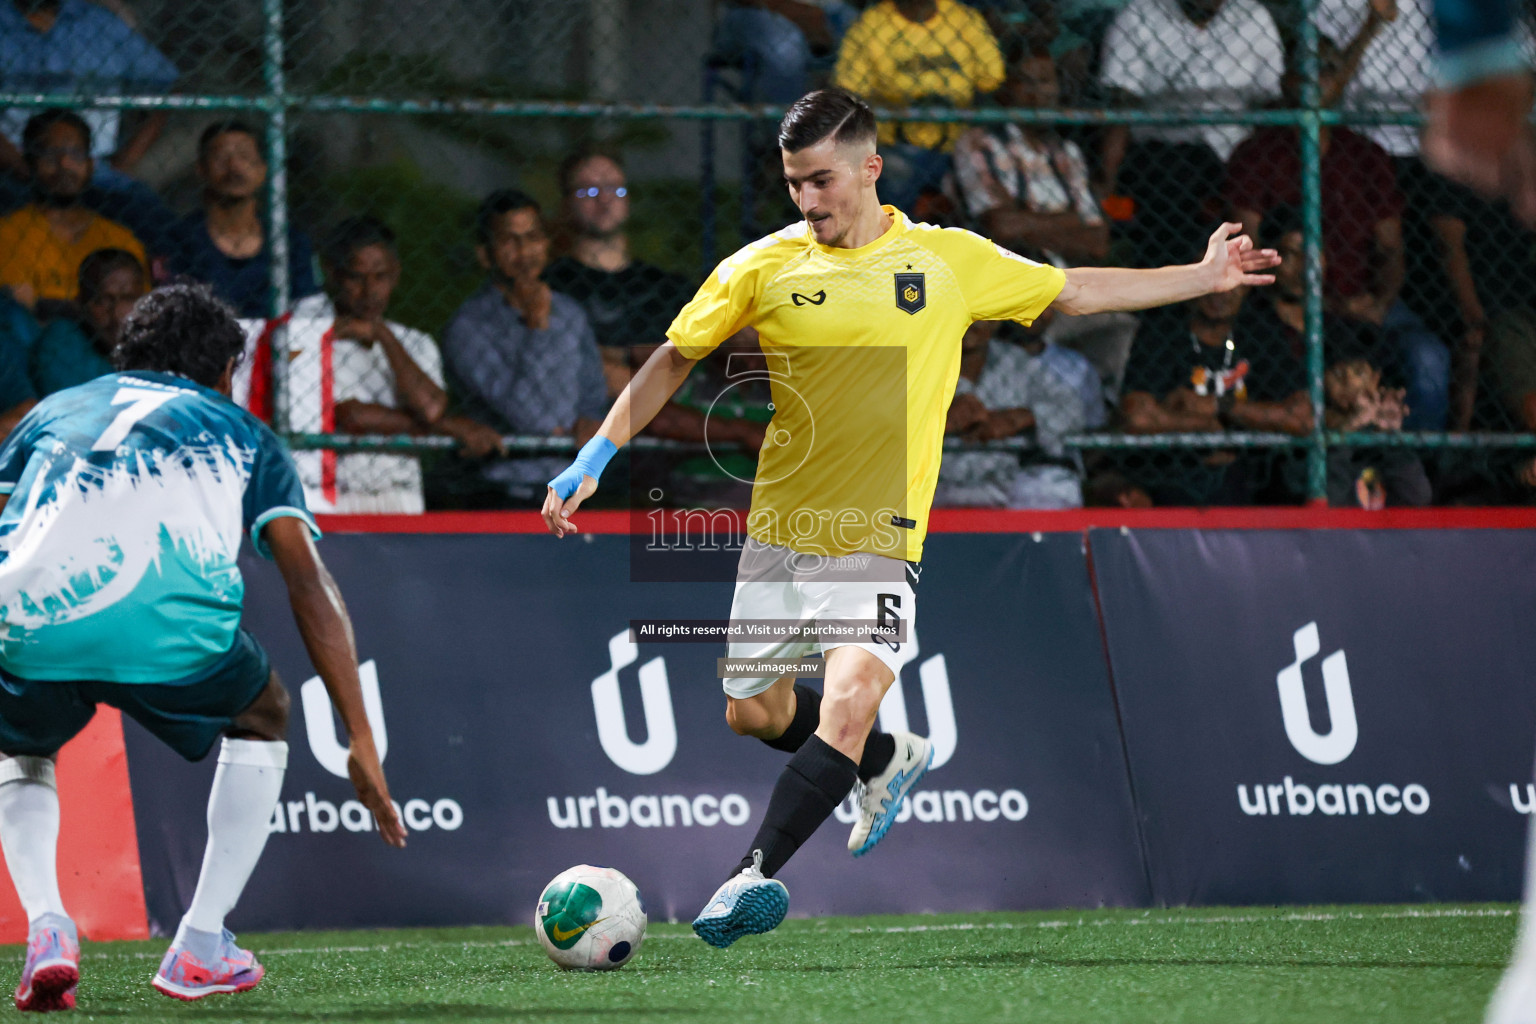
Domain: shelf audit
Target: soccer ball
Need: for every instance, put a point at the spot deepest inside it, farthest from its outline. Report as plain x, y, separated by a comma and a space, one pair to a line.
590, 919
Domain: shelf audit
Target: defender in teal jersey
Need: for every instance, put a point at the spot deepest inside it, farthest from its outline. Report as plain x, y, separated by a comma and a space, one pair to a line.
119, 585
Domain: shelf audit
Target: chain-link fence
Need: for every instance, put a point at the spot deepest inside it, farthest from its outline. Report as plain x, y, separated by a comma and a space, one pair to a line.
456, 230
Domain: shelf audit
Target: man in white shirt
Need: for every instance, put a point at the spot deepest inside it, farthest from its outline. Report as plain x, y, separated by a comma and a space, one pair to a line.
350, 371
1005, 390
1183, 55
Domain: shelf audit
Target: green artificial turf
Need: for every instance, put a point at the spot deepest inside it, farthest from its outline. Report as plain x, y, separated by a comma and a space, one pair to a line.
1402, 965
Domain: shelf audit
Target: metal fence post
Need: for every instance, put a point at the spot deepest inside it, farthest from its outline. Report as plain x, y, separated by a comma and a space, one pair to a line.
277, 193
1311, 129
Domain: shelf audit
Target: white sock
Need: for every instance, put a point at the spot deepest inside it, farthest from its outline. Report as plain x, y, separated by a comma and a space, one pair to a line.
245, 789
1514, 1002
29, 833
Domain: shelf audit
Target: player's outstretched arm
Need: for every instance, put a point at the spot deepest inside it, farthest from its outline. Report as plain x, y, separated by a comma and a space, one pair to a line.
642, 398
1230, 261
327, 633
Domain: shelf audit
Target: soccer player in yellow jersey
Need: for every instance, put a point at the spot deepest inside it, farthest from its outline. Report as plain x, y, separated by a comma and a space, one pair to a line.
859, 313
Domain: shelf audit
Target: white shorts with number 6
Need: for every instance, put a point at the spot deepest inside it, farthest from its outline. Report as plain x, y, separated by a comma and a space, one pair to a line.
779, 585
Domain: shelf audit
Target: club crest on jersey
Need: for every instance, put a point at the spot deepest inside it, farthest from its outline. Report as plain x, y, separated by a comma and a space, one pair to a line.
911, 292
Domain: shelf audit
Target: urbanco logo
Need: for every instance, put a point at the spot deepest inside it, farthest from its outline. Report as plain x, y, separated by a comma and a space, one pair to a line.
660, 744
933, 677
1331, 799
320, 726
322, 815
1343, 731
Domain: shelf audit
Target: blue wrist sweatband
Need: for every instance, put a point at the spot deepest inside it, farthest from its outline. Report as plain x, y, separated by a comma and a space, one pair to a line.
594, 455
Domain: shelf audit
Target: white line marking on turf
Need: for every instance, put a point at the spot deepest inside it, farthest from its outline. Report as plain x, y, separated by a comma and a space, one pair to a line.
959, 926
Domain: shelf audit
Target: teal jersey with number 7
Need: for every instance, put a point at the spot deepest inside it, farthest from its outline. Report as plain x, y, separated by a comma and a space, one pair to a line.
128, 499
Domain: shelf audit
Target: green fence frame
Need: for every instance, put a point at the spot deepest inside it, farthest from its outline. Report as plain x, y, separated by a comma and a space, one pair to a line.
276, 101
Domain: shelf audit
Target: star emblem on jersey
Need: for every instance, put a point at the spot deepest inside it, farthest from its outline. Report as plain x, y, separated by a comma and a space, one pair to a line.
814, 300
911, 293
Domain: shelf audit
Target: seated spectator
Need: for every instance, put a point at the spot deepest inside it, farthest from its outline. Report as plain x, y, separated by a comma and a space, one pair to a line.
1357, 360
1358, 403
1362, 237
628, 302
1274, 318
1006, 390
1112, 490
727, 403
351, 371
936, 53
1027, 187
51, 46
225, 244
1510, 369
524, 354
1033, 26
18, 332
1190, 372
776, 41
43, 243
1205, 55
71, 350
1487, 260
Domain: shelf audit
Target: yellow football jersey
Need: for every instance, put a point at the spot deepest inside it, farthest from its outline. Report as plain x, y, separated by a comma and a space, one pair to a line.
863, 352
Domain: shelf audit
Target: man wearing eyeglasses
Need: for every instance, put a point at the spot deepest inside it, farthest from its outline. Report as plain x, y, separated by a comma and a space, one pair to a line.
628, 301
43, 244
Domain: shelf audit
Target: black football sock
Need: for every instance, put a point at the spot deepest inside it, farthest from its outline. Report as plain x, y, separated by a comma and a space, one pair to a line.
879, 748
809, 788
803, 726
878, 751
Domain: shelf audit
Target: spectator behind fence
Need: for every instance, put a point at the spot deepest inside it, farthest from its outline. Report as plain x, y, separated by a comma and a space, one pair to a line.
226, 244
351, 371
53, 46
1358, 402
1031, 26
1453, 276
71, 350
776, 41
1361, 382
936, 53
1190, 372
523, 354
1006, 390
1203, 55
43, 243
1362, 235
18, 332
1027, 187
628, 302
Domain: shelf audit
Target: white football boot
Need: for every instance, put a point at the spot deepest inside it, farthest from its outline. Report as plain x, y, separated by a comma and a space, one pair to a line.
879, 800
748, 904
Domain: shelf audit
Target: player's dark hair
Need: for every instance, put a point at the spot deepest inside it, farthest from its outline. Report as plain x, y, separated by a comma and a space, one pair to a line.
1280, 221
181, 329
497, 205
228, 126
826, 113
569, 164
352, 235
39, 123
95, 268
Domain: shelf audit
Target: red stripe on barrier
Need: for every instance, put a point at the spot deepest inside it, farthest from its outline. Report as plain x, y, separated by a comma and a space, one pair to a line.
99, 875
965, 520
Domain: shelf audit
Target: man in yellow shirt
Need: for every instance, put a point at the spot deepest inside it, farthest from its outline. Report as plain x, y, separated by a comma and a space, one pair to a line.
934, 53
859, 313
43, 244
